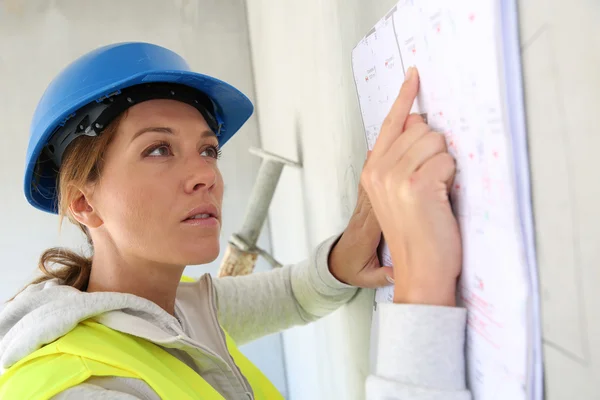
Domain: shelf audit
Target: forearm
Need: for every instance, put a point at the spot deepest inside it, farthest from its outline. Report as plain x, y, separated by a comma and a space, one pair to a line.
262, 303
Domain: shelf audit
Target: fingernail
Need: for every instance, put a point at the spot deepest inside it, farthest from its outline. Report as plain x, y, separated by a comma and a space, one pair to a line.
389, 279
409, 74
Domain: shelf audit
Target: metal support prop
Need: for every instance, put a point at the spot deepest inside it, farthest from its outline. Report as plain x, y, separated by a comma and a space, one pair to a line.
241, 254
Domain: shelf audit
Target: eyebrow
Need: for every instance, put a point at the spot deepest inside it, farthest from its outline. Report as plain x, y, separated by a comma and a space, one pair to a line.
164, 129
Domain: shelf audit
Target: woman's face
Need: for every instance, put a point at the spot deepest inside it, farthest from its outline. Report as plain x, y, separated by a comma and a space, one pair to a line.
160, 193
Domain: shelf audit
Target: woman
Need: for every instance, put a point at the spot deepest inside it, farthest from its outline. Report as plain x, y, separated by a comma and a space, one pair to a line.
125, 142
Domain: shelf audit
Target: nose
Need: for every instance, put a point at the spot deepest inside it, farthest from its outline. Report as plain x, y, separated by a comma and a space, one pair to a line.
201, 174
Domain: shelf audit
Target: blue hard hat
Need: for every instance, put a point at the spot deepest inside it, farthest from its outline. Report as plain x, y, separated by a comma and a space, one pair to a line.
98, 86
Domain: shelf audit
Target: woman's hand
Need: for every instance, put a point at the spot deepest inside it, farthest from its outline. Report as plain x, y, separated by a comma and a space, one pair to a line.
354, 259
407, 178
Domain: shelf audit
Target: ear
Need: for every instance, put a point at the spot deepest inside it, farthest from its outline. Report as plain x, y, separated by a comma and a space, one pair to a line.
83, 211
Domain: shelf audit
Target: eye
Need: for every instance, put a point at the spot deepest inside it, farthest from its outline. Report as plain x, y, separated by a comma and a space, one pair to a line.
161, 149
211, 151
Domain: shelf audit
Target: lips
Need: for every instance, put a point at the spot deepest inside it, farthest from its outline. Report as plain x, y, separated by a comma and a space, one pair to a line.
200, 216
203, 212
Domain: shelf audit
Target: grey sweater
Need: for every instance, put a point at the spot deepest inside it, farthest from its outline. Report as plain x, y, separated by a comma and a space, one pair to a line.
420, 353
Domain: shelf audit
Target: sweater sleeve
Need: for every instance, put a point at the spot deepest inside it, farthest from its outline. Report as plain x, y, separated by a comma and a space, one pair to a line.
262, 303
419, 354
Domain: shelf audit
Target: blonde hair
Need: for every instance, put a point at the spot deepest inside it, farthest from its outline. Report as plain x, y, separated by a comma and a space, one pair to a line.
81, 165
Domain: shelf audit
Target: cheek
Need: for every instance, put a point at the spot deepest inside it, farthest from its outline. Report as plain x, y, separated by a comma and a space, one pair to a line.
131, 201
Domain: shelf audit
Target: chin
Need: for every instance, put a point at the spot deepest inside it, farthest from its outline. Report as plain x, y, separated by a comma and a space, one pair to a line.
203, 254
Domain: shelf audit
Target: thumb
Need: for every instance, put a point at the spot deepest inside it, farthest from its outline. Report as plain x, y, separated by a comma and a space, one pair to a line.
382, 276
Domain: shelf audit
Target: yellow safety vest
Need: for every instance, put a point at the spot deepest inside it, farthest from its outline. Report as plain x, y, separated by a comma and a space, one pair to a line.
92, 349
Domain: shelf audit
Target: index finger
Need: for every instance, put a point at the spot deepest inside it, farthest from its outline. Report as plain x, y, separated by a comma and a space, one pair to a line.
394, 122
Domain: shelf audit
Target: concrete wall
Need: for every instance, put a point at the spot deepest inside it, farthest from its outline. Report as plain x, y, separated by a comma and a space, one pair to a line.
561, 60
39, 37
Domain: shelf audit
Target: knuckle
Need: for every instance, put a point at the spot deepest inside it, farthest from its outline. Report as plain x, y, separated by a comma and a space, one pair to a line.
425, 126
378, 180
389, 182
365, 177
370, 177
408, 190
447, 162
422, 127
437, 140
433, 142
418, 129
447, 159
422, 130
414, 119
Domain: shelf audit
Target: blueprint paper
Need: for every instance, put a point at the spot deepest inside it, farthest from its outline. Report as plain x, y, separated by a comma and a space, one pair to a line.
458, 48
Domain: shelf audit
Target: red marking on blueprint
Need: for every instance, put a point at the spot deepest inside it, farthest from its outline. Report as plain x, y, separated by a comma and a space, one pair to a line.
484, 307
471, 156
480, 300
475, 307
366, 79
441, 113
438, 29
414, 50
386, 63
495, 154
472, 17
482, 333
487, 182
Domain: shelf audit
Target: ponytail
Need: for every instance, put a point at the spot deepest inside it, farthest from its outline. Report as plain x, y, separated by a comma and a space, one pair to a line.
74, 268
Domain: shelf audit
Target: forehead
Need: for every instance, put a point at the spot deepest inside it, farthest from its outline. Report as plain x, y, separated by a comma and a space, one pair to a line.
163, 112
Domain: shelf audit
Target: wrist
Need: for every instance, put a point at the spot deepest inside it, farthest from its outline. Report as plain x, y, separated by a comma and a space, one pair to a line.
426, 293
335, 259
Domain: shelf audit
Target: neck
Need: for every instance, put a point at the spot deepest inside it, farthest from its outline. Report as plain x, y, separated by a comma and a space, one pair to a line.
114, 272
